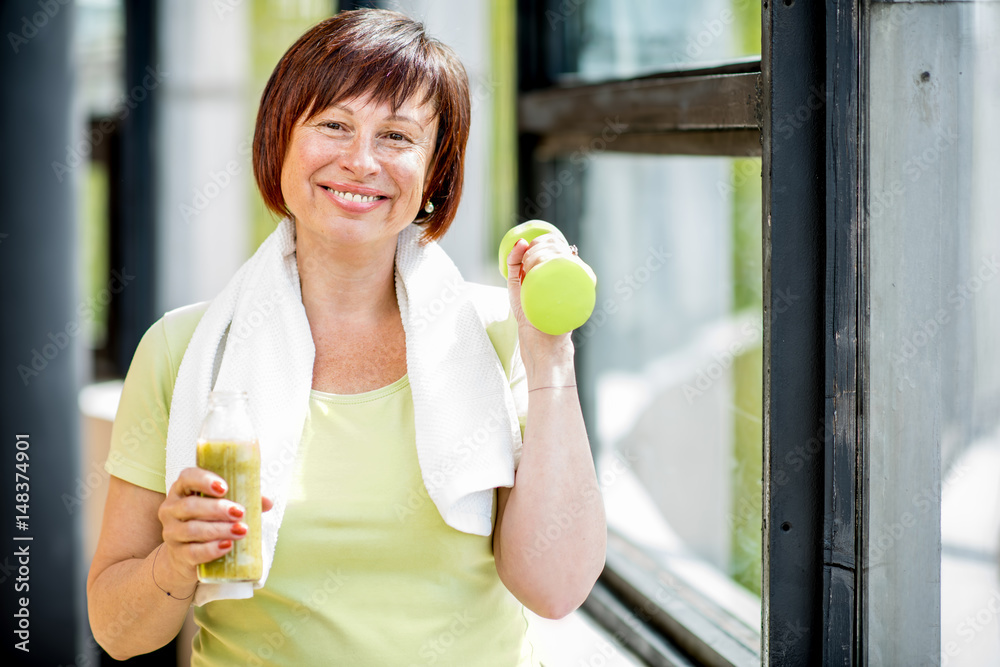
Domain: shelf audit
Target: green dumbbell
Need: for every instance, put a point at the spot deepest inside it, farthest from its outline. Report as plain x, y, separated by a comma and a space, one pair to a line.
557, 295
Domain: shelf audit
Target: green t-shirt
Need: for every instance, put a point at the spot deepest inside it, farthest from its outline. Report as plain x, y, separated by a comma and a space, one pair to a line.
365, 571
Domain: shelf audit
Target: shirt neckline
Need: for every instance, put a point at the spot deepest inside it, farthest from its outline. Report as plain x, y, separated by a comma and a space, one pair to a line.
363, 397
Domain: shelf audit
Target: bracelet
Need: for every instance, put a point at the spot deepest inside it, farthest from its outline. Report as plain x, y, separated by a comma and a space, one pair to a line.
561, 386
155, 556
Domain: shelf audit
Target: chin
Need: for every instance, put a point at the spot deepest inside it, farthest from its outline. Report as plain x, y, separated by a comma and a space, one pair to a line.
346, 230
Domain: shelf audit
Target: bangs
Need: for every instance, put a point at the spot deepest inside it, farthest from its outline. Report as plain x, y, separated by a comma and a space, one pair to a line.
391, 64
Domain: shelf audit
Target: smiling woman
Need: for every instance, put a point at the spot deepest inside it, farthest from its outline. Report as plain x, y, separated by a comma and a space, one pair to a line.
405, 473
391, 65
359, 161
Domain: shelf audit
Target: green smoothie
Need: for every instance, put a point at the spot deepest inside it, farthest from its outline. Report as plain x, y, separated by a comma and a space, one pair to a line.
239, 464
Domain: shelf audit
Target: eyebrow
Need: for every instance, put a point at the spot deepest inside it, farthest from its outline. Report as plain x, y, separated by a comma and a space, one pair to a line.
396, 116
393, 117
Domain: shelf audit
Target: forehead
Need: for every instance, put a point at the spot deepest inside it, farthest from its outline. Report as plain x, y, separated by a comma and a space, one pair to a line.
413, 107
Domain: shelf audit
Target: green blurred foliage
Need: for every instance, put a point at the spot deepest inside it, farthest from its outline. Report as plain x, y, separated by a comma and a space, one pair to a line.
95, 246
748, 381
503, 138
274, 26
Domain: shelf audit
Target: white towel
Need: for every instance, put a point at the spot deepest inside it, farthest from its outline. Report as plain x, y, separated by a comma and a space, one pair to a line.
465, 419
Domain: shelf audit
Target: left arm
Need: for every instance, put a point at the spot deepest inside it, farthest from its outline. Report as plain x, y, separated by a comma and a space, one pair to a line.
550, 536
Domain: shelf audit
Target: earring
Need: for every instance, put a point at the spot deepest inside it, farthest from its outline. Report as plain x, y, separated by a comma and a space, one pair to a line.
429, 208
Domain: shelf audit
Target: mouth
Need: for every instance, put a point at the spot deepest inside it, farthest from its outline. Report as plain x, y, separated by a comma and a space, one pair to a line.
353, 197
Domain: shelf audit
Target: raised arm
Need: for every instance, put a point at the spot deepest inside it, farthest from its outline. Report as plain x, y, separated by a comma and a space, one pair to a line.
550, 537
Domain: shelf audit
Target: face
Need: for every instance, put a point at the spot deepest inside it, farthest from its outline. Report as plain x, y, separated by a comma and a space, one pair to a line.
355, 172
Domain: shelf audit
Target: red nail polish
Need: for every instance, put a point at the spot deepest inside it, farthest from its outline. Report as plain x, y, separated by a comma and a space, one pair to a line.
225, 544
235, 512
521, 275
218, 487
239, 529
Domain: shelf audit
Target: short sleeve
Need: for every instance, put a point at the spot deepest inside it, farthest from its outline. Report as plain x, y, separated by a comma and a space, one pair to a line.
139, 435
503, 334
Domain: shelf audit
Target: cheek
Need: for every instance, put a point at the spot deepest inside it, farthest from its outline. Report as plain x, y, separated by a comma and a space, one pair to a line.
415, 172
299, 163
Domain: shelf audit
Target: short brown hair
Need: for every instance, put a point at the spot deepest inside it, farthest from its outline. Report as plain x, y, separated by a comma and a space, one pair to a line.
375, 52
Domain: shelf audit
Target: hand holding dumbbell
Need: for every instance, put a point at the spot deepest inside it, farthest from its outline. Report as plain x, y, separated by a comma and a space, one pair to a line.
557, 295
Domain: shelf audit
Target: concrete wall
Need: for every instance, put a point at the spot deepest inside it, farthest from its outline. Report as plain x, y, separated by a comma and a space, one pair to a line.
202, 149
464, 26
934, 305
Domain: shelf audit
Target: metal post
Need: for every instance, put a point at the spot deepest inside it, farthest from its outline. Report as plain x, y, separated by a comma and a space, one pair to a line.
134, 236
41, 570
845, 516
795, 430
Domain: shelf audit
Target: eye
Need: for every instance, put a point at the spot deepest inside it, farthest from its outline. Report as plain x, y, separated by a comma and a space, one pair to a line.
332, 125
396, 136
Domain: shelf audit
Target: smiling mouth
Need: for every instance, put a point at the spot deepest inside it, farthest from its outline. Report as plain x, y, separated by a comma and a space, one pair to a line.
353, 197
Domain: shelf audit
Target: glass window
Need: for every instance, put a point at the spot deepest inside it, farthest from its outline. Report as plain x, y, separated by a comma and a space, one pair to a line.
616, 39
670, 363
100, 56
672, 358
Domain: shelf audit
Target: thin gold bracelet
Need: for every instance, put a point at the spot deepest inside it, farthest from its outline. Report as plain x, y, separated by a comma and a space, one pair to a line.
561, 386
169, 595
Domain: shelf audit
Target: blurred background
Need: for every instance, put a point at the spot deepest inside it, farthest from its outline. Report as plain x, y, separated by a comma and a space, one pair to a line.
127, 128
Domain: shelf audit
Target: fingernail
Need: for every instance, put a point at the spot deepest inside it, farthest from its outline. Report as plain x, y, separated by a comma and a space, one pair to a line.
239, 529
225, 544
235, 512
218, 487
520, 278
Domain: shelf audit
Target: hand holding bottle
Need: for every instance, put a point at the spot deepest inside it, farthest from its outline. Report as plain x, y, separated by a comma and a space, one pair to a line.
212, 514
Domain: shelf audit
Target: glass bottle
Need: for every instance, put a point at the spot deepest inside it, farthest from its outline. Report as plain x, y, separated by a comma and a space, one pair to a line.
227, 446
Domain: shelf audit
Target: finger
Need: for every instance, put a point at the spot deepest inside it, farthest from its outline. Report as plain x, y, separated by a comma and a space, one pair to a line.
199, 480
197, 553
542, 249
190, 508
514, 277
192, 532
515, 256
524, 255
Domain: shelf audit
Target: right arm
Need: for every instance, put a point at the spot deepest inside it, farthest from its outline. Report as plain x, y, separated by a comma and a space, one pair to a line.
129, 613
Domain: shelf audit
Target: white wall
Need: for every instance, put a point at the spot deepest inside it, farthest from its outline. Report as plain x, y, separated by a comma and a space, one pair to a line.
464, 26
934, 370
201, 150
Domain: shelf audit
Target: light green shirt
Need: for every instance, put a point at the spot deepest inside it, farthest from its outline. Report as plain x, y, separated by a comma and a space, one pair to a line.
365, 571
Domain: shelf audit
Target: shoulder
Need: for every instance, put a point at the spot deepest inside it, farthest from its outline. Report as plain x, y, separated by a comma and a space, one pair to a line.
168, 337
178, 325
493, 305
138, 438
162, 347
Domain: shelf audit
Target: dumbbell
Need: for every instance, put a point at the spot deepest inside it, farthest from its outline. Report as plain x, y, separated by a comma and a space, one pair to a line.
557, 295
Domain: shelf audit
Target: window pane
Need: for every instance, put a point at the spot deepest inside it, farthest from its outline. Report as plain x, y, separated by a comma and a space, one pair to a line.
99, 49
935, 319
625, 38
671, 361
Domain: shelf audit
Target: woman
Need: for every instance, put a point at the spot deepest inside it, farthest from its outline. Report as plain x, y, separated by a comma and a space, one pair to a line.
392, 399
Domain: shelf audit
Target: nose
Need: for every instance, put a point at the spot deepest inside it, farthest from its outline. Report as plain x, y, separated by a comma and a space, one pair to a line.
358, 157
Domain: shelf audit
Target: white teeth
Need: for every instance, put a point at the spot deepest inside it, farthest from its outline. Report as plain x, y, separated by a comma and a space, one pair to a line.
353, 197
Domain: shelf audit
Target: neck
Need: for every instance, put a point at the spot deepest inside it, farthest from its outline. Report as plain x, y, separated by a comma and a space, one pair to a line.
346, 284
